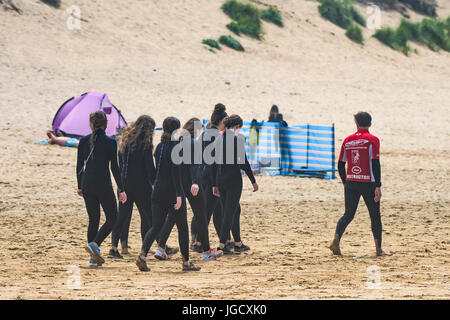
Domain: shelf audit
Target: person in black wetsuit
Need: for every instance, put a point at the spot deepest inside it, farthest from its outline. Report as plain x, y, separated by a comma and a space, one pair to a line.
138, 175
167, 198
95, 153
213, 204
190, 173
228, 182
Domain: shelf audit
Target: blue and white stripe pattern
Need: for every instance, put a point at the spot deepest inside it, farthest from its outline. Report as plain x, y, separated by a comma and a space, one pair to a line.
305, 150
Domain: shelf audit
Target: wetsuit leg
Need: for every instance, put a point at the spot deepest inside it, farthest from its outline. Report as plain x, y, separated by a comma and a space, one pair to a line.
230, 198
166, 231
218, 217
211, 202
122, 222
198, 208
109, 205
236, 227
180, 217
159, 214
144, 205
352, 195
125, 227
194, 229
374, 211
93, 209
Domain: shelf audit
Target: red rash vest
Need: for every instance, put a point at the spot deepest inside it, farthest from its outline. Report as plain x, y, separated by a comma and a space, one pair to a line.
358, 150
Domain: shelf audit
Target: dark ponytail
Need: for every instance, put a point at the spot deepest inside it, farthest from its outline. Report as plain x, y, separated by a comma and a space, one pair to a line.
98, 121
218, 114
170, 124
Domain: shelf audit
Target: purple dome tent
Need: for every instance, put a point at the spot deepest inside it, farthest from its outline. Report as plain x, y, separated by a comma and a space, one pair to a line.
72, 118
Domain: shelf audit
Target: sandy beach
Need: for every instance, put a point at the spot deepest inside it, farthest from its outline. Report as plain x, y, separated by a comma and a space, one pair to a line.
149, 59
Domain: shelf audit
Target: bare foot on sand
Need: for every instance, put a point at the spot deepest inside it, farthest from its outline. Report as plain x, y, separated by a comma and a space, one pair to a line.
334, 247
51, 137
381, 253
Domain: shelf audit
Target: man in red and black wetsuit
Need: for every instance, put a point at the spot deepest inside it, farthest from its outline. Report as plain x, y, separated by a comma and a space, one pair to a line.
361, 152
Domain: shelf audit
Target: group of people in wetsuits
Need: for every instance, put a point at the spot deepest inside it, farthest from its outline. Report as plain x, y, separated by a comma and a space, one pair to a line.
160, 186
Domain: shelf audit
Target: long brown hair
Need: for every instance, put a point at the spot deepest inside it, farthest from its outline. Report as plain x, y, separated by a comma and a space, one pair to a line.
139, 135
98, 121
274, 112
190, 126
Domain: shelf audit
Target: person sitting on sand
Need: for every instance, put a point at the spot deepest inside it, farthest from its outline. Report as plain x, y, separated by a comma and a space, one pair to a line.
58, 139
276, 116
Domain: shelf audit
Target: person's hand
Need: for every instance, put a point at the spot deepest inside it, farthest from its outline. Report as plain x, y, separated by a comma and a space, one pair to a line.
216, 192
377, 194
177, 205
194, 189
123, 197
80, 192
255, 187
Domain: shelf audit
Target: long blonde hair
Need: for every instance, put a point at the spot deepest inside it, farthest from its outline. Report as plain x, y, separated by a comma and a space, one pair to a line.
139, 135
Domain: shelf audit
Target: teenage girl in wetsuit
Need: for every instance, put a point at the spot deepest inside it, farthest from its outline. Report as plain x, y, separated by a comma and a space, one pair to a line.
138, 175
228, 182
213, 203
95, 153
192, 190
167, 198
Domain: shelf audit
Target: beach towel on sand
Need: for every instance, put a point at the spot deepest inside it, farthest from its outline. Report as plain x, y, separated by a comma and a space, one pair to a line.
72, 142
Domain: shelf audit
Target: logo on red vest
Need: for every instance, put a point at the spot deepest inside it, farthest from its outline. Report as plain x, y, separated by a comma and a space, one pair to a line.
356, 143
356, 170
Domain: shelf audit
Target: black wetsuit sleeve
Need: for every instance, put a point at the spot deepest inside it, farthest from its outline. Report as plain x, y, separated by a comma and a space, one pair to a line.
248, 170
214, 167
150, 166
193, 167
115, 167
195, 172
376, 168
176, 176
245, 166
80, 161
341, 169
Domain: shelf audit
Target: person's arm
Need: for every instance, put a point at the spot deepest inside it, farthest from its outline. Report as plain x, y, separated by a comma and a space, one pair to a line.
115, 167
376, 168
341, 162
246, 165
176, 177
248, 170
149, 166
342, 172
194, 168
80, 162
214, 167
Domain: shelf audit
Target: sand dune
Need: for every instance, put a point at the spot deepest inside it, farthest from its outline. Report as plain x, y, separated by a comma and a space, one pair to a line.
149, 58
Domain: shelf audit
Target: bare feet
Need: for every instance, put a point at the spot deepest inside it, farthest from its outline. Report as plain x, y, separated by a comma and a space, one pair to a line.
51, 137
334, 247
381, 253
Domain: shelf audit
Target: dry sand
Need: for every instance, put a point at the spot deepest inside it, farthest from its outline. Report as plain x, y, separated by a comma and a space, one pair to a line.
149, 59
